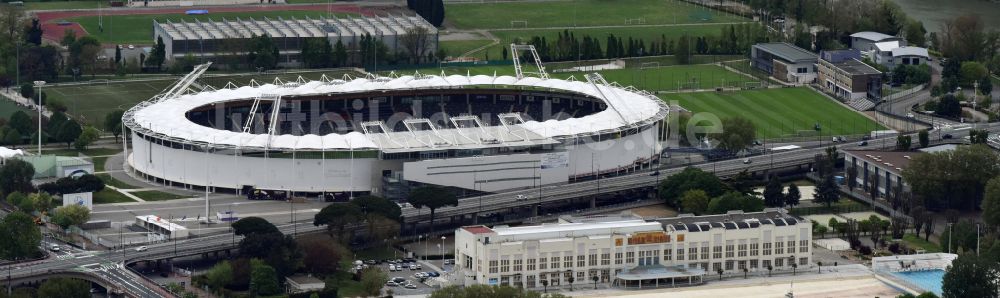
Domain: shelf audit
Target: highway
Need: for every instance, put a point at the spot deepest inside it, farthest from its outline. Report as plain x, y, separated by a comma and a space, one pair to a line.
503, 202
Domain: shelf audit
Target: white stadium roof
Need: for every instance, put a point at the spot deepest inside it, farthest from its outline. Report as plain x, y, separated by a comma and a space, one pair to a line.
627, 107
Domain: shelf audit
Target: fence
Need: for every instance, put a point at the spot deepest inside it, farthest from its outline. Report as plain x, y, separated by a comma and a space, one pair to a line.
904, 93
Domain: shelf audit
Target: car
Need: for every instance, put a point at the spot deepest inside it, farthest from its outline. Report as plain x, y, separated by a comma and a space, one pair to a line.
419, 267
654, 173
835, 139
452, 262
54, 247
419, 275
863, 143
947, 136
398, 279
391, 284
141, 248
521, 198
410, 286
371, 262
866, 138
130, 47
747, 161
392, 268
433, 274
413, 267
409, 260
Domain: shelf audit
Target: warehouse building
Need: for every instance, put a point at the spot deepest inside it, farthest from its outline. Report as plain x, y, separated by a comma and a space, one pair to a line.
785, 62
631, 252
207, 39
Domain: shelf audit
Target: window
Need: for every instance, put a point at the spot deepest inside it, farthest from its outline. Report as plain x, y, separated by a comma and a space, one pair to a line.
668, 254
568, 262
593, 258
791, 246
729, 265
704, 252
802, 70
505, 265
680, 254
803, 261
581, 261
580, 276
716, 267
765, 264
717, 252
630, 257
693, 253
606, 258
742, 265
618, 258
779, 248
767, 248
753, 264
729, 250
531, 264
803, 245
493, 266
555, 262
742, 251
754, 249
543, 263
517, 265
779, 262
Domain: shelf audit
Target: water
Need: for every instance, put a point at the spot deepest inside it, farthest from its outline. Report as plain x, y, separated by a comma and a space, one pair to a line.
935, 12
930, 280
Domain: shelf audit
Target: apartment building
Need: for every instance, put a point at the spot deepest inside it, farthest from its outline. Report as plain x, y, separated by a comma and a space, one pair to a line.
627, 252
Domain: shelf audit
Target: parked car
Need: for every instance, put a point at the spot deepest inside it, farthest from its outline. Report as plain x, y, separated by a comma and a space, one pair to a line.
399, 280
410, 286
863, 143
418, 266
413, 267
433, 274
654, 173
452, 262
54, 247
946, 136
392, 268
391, 284
747, 161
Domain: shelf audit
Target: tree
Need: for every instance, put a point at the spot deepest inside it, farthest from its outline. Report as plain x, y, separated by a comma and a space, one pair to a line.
263, 279
432, 197
773, 193
68, 132
737, 134
682, 51
952, 179
978, 136
971, 276
852, 177
264, 53
62, 287
220, 275
924, 138
279, 251
372, 280
903, 143
991, 203
948, 106
323, 257
34, 33
688, 179
71, 215
11, 137
21, 236
113, 122
16, 175
793, 196
916, 35
373, 208
339, 54
253, 225
158, 54
827, 192
734, 201
695, 201
21, 122
972, 72
416, 41
833, 224
336, 217
88, 135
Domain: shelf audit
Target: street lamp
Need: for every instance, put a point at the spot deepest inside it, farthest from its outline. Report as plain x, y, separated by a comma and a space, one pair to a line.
441, 246
39, 84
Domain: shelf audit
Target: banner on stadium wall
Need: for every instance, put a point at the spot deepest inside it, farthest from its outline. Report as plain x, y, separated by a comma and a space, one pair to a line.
85, 199
555, 160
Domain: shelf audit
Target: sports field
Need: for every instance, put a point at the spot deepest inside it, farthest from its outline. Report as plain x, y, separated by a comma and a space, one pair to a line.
89, 103
456, 48
544, 14
785, 112
138, 28
8, 107
647, 34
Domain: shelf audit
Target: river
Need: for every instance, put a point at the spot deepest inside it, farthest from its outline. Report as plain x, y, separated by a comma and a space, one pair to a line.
935, 12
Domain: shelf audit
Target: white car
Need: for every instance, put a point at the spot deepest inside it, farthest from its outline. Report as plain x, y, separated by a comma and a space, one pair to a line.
54, 247
392, 268
141, 248
413, 267
391, 284
410, 286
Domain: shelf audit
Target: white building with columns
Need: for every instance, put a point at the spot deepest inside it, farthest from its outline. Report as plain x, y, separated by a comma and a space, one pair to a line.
632, 252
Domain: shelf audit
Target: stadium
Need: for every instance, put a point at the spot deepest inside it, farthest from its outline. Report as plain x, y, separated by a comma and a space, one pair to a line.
384, 135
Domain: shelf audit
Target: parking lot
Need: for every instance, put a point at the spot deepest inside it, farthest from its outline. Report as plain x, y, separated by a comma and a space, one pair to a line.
409, 276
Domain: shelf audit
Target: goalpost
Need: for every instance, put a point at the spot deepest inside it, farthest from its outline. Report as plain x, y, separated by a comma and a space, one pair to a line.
635, 21
690, 84
514, 24
648, 65
752, 85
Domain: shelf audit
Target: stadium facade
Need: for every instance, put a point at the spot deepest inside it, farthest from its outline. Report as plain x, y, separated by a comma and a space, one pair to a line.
381, 135
216, 38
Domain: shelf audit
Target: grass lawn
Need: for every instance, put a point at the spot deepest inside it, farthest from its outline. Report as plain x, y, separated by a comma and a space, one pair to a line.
666, 78
62, 5
108, 180
153, 195
455, 48
648, 34
8, 107
108, 196
89, 103
580, 13
138, 28
917, 242
99, 163
785, 112
87, 152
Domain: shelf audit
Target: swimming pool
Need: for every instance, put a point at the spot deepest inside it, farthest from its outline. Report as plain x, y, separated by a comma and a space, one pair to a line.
930, 280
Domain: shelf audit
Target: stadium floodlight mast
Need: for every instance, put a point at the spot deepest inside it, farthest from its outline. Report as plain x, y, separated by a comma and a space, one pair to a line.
39, 84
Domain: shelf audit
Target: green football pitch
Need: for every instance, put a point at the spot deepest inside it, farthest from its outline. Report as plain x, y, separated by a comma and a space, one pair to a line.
542, 14
785, 112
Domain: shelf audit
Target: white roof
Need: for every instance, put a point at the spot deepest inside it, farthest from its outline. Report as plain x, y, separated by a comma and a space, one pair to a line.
8, 153
886, 46
161, 222
910, 51
167, 116
869, 35
584, 229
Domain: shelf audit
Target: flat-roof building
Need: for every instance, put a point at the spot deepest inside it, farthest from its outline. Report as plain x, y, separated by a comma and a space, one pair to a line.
884, 169
865, 41
631, 252
211, 38
844, 75
785, 62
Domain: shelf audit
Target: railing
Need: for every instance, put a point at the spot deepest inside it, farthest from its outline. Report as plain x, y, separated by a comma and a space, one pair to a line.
904, 93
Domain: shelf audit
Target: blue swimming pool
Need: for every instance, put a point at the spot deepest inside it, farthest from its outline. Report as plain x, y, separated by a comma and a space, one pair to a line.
930, 280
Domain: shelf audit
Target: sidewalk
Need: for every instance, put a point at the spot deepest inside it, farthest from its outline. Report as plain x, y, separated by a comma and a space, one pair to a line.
20, 100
